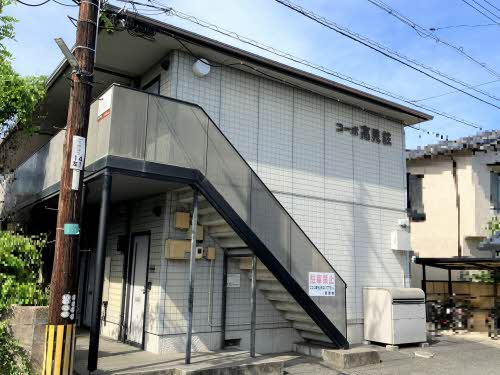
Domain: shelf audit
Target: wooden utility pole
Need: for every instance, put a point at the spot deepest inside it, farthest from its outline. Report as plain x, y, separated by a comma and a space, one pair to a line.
60, 333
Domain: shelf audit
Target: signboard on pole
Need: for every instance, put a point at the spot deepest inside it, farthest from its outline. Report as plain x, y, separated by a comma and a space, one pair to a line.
78, 153
321, 284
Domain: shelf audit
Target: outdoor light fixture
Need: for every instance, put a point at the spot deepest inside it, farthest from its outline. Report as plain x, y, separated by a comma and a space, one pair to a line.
67, 53
201, 68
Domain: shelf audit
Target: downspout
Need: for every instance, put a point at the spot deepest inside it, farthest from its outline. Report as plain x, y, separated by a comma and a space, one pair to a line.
122, 327
457, 202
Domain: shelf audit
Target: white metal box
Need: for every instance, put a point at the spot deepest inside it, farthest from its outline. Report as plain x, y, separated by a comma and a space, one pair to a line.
394, 315
400, 240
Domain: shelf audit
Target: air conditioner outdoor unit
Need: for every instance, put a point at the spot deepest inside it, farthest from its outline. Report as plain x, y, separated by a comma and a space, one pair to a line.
394, 316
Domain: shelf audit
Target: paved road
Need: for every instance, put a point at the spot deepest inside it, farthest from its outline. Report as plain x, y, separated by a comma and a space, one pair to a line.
469, 354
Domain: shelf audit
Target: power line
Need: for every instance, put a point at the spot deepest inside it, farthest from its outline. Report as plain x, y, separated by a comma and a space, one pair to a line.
458, 26
312, 65
454, 91
387, 52
33, 5
486, 9
423, 32
492, 5
479, 11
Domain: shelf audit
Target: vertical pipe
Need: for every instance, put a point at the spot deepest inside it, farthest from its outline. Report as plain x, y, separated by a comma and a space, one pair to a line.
223, 302
253, 305
424, 280
194, 224
450, 286
99, 271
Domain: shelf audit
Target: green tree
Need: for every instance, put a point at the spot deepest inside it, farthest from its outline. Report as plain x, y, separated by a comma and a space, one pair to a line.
20, 265
19, 95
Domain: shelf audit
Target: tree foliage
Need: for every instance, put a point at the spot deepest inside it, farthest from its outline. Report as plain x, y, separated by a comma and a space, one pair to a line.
20, 265
14, 360
19, 95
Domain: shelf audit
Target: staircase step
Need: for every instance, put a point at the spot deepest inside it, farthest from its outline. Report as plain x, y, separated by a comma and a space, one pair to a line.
211, 219
288, 306
264, 275
309, 327
279, 296
216, 229
246, 264
231, 242
298, 317
205, 208
271, 286
317, 337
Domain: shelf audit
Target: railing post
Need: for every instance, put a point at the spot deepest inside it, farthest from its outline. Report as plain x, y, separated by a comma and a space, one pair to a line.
192, 263
253, 306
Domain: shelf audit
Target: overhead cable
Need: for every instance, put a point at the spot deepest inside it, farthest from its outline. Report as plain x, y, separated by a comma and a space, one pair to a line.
396, 56
423, 32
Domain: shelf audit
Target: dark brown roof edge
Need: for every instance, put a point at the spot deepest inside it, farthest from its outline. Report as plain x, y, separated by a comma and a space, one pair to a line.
267, 63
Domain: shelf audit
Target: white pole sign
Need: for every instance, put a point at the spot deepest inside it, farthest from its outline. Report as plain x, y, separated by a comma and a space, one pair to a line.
321, 284
78, 152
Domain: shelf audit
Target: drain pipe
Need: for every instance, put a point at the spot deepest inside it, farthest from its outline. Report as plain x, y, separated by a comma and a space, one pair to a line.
457, 202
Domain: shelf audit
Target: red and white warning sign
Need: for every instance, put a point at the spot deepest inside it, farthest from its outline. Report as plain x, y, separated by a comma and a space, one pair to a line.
104, 107
321, 284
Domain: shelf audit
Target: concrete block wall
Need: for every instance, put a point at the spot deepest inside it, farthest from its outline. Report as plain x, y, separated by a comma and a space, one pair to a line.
345, 192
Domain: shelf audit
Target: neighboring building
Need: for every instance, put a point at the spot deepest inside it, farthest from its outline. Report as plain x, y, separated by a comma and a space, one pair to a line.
453, 192
333, 156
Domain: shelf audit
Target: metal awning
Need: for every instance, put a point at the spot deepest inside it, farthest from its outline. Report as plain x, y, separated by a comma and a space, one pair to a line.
460, 263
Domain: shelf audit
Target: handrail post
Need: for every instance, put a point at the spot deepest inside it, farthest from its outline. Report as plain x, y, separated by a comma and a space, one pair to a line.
253, 306
192, 263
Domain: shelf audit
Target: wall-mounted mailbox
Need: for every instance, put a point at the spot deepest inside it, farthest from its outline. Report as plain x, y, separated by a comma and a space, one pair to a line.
199, 233
177, 249
182, 220
210, 253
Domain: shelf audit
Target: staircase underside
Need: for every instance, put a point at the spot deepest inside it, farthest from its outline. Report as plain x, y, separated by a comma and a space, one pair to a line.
220, 231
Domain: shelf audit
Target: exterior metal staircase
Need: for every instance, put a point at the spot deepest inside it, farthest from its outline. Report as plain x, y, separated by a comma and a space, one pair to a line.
272, 289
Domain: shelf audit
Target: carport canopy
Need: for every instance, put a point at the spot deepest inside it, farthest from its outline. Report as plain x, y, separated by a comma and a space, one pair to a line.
461, 263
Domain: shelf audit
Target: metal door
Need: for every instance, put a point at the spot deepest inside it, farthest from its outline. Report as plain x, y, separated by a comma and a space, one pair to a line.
137, 296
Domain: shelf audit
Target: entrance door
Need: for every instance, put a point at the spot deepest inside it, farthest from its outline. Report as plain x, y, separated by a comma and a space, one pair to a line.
137, 296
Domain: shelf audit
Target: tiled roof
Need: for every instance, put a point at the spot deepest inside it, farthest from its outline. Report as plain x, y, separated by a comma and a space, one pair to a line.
485, 141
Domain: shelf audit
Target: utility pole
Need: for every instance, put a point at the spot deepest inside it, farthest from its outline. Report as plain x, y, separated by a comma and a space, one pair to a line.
60, 332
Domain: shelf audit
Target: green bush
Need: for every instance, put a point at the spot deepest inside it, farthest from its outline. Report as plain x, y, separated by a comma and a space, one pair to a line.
13, 359
20, 264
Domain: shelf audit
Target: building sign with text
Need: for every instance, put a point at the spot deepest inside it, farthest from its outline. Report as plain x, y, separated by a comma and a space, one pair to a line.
366, 133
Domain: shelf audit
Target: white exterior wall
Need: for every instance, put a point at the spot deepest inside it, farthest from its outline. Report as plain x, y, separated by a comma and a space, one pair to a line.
166, 313
346, 193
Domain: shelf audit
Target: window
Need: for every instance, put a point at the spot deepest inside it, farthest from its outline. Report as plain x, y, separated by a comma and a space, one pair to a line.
494, 190
153, 87
415, 197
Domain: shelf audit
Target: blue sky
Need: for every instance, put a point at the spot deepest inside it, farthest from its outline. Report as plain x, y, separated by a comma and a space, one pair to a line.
269, 22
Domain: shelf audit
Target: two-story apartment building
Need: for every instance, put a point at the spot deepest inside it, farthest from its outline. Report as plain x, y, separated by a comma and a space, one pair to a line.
305, 173
454, 191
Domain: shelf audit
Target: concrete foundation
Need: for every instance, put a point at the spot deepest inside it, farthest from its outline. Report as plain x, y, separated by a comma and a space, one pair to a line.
28, 327
343, 359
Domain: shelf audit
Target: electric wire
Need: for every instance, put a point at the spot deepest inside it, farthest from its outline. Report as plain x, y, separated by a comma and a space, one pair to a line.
492, 5
32, 5
486, 9
66, 5
423, 32
479, 11
454, 91
433, 29
388, 52
248, 41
